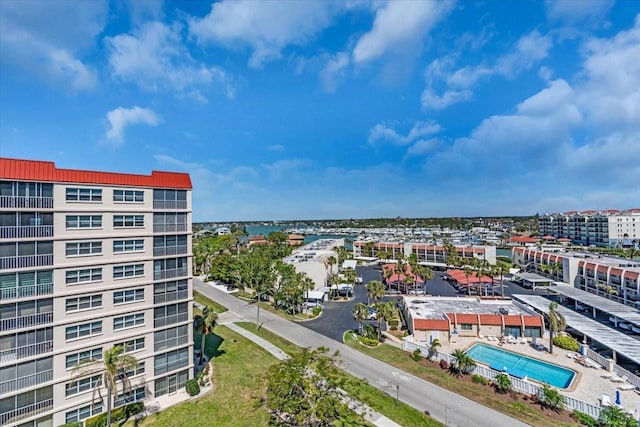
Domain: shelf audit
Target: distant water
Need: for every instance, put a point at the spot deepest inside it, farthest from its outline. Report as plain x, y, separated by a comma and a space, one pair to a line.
503, 252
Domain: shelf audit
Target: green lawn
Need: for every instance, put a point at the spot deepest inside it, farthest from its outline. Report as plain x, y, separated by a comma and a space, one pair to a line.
199, 298
402, 360
385, 404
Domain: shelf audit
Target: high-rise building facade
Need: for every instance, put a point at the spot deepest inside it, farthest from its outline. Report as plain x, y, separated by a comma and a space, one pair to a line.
610, 228
89, 260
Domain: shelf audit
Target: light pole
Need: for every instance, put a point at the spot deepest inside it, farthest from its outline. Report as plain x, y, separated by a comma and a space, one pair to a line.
258, 314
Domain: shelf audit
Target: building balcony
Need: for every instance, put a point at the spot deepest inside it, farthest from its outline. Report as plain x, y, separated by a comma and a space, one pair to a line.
170, 320
26, 382
25, 231
169, 228
169, 204
31, 350
170, 273
26, 261
24, 412
166, 344
26, 202
170, 250
170, 296
26, 291
26, 321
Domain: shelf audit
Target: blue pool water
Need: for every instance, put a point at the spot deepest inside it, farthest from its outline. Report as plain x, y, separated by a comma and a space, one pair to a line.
518, 364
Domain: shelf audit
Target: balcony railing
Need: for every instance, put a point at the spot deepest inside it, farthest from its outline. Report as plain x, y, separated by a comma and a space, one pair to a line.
26, 202
169, 204
26, 261
25, 382
26, 321
163, 369
25, 231
170, 273
26, 412
170, 250
169, 228
26, 291
174, 342
170, 320
170, 296
17, 353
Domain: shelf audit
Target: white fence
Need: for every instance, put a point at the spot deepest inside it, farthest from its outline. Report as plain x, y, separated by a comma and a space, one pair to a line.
522, 386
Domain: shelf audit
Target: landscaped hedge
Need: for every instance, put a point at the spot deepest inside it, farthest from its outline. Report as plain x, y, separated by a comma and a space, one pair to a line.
73, 424
393, 324
117, 414
566, 342
192, 387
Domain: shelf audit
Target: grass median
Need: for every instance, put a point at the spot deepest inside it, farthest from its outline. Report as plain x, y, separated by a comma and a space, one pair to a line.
208, 302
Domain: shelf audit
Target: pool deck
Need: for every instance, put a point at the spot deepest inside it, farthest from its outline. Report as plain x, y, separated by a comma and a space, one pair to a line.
588, 386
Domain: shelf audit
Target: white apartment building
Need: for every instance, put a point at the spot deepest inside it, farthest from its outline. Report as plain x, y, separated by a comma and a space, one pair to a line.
89, 260
432, 255
609, 228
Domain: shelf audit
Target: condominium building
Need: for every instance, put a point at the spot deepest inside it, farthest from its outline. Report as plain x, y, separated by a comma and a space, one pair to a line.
609, 228
432, 255
89, 260
615, 278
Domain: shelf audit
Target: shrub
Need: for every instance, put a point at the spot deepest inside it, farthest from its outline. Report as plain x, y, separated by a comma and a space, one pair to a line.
479, 379
74, 424
316, 311
393, 324
566, 342
551, 398
615, 416
444, 364
417, 355
118, 414
584, 419
502, 383
192, 387
371, 342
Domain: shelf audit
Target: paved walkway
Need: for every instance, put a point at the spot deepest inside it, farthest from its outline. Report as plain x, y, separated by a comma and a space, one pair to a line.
443, 405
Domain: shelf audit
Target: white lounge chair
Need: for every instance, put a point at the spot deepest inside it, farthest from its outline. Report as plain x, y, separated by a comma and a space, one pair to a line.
626, 386
481, 337
616, 379
605, 400
523, 340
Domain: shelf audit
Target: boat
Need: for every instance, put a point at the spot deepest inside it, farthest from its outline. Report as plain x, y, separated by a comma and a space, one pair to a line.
625, 325
635, 329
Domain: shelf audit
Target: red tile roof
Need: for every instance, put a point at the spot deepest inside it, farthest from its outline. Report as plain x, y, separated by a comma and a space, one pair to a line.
522, 239
490, 319
532, 321
431, 324
461, 278
466, 318
511, 320
548, 238
34, 170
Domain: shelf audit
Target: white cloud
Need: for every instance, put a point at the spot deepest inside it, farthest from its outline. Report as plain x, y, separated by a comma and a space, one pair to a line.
397, 24
48, 39
266, 27
286, 168
433, 101
333, 71
155, 58
120, 118
276, 147
423, 147
574, 11
381, 132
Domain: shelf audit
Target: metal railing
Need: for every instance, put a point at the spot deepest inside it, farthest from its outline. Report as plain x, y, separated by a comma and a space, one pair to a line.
173, 342
26, 261
27, 381
170, 250
26, 321
18, 353
26, 202
626, 375
26, 412
598, 358
169, 228
26, 291
170, 320
170, 273
517, 384
170, 296
169, 204
25, 231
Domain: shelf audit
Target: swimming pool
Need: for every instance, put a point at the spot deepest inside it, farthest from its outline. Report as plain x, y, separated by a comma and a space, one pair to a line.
519, 365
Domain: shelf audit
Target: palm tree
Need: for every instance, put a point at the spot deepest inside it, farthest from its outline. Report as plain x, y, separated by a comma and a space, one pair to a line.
400, 270
206, 322
557, 323
467, 274
463, 364
433, 347
360, 313
502, 269
387, 275
384, 311
375, 290
112, 368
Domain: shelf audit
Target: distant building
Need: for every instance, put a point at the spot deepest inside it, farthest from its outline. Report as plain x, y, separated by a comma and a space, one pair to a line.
608, 228
431, 255
312, 259
223, 231
296, 239
258, 239
522, 241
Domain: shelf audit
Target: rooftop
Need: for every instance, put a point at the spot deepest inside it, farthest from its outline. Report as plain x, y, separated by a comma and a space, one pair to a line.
436, 307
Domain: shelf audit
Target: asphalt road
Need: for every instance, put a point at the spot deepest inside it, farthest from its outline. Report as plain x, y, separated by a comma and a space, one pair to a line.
443, 405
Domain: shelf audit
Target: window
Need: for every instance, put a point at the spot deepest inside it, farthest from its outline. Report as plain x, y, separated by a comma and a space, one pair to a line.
76, 359
138, 370
83, 413
466, 327
84, 221
84, 330
83, 276
129, 321
171, 337
81, 385
83, 248
84, 195
128, 220
127, 296
132, 345
170, 383
131, 270
130, 396
120, 246
171, 361
84, 303
170, 195
128, 196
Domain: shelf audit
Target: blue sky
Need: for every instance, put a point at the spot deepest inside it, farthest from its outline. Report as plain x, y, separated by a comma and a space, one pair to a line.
335, 109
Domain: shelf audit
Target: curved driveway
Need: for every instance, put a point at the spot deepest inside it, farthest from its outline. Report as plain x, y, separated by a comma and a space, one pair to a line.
443, 405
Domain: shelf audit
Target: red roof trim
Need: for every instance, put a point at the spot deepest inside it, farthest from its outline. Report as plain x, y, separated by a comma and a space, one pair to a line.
35, 170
